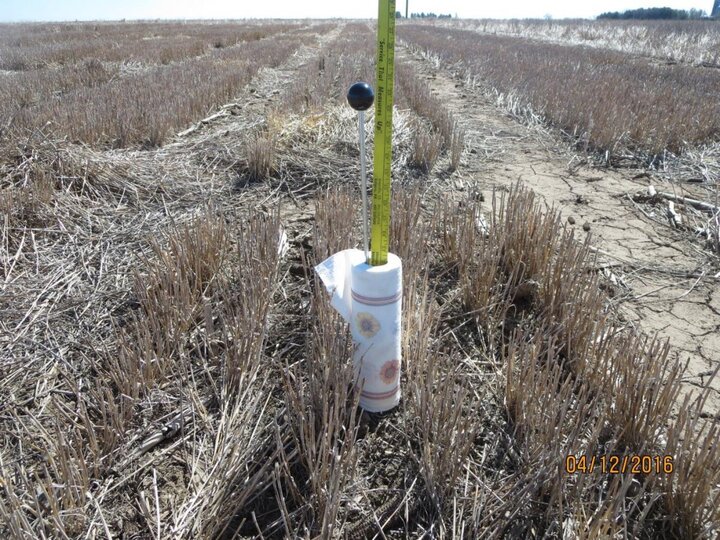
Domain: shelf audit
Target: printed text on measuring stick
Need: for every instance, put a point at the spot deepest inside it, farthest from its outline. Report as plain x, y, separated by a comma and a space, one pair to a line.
383, 134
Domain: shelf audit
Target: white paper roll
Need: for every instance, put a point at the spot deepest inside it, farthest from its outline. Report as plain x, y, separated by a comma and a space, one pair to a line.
369, 298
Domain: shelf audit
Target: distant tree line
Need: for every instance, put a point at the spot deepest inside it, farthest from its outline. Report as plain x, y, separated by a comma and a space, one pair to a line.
655, 13
431, 15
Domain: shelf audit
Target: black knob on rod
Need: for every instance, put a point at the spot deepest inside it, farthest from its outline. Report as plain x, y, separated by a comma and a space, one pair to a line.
360, 96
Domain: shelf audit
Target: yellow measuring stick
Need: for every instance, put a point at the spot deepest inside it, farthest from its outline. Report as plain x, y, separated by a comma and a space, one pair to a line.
380, 234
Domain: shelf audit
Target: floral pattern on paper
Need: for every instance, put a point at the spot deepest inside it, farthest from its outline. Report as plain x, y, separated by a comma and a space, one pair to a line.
389, 371
367, 324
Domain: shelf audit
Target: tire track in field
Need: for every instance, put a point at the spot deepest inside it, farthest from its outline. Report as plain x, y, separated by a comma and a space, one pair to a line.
251, 106
659, 264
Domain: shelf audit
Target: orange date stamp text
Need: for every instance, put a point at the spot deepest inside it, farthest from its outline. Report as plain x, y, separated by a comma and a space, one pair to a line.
618, 464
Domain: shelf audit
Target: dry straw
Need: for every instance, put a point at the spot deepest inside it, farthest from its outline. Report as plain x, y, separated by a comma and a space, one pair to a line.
446, 134
691, 41
244, 369
171, 372
106, 100
615, 102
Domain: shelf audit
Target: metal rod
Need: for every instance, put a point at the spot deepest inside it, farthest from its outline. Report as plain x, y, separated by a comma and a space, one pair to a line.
361, 134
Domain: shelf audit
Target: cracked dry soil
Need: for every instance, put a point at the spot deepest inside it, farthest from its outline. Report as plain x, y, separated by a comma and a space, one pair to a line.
663, 281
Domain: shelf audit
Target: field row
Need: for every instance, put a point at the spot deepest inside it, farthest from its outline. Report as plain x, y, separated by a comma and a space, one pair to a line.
693, 42
115, 105
608, 100
37, 46
120, 85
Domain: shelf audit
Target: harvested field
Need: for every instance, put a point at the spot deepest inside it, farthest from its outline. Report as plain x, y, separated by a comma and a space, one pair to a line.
162, 77
693, 42
611, 102
172, 367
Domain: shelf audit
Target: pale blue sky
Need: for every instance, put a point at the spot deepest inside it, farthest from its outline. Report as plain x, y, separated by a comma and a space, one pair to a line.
63, 10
